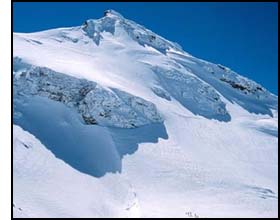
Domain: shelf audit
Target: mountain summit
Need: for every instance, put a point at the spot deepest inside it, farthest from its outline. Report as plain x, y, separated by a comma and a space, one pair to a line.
112, 13
113, 120
115, 23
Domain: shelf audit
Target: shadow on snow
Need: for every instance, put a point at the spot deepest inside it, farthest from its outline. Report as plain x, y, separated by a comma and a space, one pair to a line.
93, 150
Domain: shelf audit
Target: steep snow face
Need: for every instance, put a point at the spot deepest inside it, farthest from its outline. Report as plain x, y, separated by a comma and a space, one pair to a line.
61, 110
96, 104
45, 186
202, 140
117, 53
194, 94
235, 88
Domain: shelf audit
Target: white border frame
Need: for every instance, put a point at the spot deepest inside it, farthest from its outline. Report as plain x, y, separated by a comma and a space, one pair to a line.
5, 109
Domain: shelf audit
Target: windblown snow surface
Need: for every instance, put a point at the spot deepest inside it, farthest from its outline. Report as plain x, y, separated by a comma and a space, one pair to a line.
112, 120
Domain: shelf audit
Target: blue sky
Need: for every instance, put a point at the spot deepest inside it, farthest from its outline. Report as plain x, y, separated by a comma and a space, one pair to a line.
242, 36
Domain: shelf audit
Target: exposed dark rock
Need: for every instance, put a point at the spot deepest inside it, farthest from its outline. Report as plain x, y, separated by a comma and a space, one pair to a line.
89, 120
84, 91
58, 96
26, 146
221, 67
235, 85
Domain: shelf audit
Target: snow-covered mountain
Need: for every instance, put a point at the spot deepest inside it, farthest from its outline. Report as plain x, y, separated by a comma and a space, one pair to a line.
113, 120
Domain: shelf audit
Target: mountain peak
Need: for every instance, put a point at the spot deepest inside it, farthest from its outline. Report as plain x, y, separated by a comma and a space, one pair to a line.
113, 21
110, 101
112, 13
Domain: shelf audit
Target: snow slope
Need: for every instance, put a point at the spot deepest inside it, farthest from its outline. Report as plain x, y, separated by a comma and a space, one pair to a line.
135, 126
38, 172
